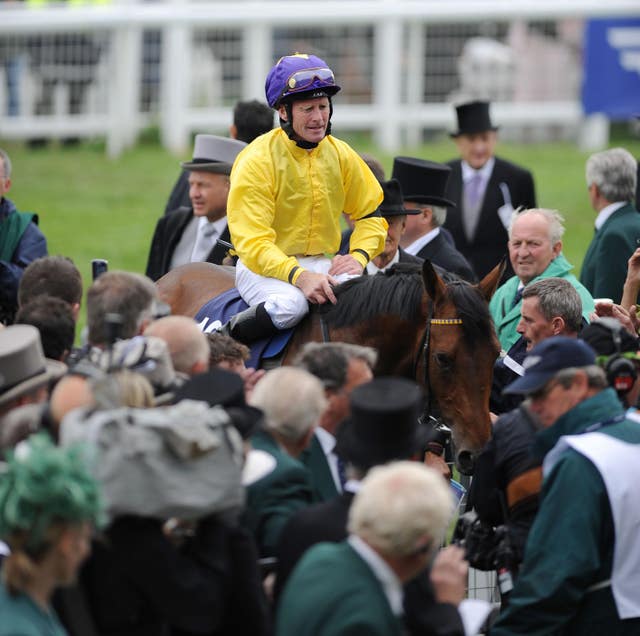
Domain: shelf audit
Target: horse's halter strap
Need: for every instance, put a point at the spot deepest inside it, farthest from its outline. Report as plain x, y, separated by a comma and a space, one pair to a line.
424, 348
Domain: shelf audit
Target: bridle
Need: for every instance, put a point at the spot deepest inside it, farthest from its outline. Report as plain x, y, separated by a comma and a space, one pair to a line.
423, 352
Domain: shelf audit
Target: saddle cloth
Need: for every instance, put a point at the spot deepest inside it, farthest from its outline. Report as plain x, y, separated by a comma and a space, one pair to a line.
220, 309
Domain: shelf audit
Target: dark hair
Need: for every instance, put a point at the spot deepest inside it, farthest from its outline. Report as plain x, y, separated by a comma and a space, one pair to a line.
55, 276
224, 348
252, 119
53, 318
129, 295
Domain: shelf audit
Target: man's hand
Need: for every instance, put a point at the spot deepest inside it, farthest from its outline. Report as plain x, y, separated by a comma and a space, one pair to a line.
449, 575
611, 310
345, 264
317, 288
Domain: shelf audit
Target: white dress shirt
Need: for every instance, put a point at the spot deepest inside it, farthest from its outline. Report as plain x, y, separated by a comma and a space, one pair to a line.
605, 213
418, 244
374, 269
328, 443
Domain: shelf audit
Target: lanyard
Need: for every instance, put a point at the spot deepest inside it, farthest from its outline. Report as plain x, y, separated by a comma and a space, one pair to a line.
608, 422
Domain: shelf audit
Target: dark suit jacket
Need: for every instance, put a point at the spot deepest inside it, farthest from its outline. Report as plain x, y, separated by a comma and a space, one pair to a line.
489, 245
328, 522
333, 591
604, 268
440, 252
272, 500
316, 461
167, 234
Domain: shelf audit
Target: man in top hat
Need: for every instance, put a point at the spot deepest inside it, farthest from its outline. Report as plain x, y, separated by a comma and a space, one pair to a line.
190, 235
581, 569
485, 190
383, 426
423, 186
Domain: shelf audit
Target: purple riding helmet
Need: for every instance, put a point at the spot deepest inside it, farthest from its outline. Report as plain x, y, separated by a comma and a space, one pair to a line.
299, 76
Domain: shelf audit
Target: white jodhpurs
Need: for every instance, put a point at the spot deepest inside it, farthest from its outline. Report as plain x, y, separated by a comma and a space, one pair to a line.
285, 303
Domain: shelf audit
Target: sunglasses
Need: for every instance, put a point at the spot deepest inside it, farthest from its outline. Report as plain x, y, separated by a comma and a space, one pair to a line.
300, 80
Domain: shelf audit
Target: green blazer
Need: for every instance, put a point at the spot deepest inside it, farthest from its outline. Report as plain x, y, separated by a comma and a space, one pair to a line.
322, 479
333, 592
604, 268
273, 499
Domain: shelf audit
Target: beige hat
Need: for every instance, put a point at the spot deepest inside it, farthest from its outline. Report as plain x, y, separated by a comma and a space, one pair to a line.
23, 367
214, 154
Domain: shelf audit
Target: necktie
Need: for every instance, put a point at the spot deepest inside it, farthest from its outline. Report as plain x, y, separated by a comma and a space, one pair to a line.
204, 243
472, 200
518, 297
342, 473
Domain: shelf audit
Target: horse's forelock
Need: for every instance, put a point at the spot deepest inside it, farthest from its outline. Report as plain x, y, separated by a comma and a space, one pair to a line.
472, 309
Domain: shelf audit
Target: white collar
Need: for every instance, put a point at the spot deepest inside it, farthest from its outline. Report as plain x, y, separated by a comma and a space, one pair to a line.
606, 212
419, 243
468, 172
219, 225
353, 486
374, 269
326, 439
381, 570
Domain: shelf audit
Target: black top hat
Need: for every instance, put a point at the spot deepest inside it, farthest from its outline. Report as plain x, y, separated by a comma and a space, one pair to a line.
392, 204
224, 388
383, 424
473, 117
422, 181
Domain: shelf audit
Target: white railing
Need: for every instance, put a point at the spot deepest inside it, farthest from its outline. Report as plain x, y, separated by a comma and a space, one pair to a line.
394, 107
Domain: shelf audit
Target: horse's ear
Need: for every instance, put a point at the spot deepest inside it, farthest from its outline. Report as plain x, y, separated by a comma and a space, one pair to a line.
489, 283
433, 284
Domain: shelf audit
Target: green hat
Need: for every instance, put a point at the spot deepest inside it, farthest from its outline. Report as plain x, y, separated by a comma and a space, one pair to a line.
42, 484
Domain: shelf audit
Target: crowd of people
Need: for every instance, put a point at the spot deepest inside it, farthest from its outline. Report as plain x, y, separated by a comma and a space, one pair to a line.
154, 484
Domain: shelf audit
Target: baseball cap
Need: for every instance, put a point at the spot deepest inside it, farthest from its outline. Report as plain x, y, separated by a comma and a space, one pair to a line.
546, 359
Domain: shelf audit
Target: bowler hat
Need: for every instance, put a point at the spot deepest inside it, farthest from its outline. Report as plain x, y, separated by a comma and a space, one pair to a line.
392, 204
548, 358
23, 367
214, 154
224, 388
473, 117
383, 424
422, 181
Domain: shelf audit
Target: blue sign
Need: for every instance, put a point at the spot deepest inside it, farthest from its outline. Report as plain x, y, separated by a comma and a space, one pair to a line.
612, 68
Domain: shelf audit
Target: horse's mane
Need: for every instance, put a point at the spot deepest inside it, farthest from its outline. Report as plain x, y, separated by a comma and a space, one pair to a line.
398, 291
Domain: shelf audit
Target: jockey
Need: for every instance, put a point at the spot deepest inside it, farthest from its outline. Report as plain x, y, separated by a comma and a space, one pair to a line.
289, 188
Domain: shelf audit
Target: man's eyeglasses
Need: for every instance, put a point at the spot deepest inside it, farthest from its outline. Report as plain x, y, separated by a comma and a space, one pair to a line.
542, 393
300, 80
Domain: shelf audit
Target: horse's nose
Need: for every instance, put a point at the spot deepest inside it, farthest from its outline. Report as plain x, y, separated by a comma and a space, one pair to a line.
466, 462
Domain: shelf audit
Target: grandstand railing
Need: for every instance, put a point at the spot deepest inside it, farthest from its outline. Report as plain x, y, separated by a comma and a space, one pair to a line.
84, 71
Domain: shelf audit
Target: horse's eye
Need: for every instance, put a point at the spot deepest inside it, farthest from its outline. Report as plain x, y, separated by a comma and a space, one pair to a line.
444, 361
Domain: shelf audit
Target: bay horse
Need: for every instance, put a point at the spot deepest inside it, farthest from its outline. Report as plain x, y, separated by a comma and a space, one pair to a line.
433, 328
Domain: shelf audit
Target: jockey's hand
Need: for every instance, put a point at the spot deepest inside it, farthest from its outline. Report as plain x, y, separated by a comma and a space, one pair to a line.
345, 264
316, 287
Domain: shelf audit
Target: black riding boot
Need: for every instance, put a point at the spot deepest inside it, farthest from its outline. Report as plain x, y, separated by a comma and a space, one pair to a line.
249, 325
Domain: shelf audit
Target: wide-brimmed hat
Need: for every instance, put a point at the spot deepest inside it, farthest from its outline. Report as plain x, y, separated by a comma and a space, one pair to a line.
214, 154
23, 367
422, 181
224, 388
473, 117
383, 424
392, 204
548, 358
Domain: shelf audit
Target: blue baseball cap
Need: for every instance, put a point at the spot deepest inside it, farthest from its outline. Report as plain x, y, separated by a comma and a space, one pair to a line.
546, 359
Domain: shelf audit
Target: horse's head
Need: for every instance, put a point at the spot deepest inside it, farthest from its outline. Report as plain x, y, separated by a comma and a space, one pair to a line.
460, 348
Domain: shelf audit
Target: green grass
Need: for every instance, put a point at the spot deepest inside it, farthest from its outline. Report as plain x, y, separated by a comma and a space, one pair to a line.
94, 207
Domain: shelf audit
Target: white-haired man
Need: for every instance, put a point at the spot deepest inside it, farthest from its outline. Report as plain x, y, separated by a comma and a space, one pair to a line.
288, 427
535, 252
611, 179
396, 523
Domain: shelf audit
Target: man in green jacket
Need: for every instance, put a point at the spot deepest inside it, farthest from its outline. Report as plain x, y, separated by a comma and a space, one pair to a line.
396, 523
611, 179
581, 570
535, 251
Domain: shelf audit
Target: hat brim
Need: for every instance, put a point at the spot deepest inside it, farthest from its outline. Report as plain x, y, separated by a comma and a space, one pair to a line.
421, 198
473, 131
216, 167
530, 382
365, 453
398, 211
53, 370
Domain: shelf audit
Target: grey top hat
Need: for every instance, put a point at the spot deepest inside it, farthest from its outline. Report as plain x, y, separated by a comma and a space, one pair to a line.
23, 366
214, 154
